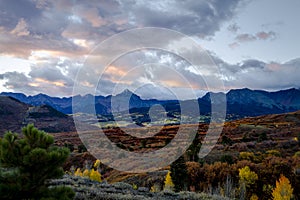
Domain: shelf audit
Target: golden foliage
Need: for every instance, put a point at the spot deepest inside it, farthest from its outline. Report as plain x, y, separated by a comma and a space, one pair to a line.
95, 175
92, 174
283, 189
78, 172
247, 176
254, 197
86, 173
97, 164
169, 185
134, 186
246, 156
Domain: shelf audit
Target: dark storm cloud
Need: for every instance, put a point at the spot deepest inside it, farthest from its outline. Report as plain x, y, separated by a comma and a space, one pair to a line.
29, 25
11, 11
202, 18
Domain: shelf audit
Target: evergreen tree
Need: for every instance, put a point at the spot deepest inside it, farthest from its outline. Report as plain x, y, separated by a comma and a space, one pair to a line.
27, 162
193, 150
179, 174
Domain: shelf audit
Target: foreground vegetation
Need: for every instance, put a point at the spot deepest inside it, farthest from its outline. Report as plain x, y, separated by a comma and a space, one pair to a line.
27, 162
31, 168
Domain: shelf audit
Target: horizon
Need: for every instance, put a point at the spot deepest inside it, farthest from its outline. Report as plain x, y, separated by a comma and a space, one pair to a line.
125, 90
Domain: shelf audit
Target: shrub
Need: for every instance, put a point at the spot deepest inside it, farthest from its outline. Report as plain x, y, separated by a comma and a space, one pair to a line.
246, 156
194, 174
297, 154
226, 140
27, 163
82, 148
273, 153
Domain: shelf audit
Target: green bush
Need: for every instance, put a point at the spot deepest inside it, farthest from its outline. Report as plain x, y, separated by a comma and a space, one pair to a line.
28, 162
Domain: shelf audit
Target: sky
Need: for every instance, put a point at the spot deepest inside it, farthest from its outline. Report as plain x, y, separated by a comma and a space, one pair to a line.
45, 44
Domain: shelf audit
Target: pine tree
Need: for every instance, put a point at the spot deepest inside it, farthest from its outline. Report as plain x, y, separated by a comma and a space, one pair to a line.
179, 174
283, 189
27, 162
169, 185
193, 150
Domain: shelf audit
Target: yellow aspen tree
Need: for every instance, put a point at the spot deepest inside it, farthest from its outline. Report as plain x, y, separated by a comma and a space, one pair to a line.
247, 176
86, 173
247, 182
95, 175
78, 172
283, 189
169, 185
97, 164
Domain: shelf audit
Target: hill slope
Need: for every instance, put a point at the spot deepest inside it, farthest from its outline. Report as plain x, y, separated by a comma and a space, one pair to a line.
15, 114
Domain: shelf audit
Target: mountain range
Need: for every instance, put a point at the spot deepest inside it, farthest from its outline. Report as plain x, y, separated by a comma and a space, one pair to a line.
240, 102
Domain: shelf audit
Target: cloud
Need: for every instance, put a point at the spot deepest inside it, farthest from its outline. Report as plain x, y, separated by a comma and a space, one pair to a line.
256, 74
158, 74
91, 15
21, 28
56, 36
59, 25
265, 35
16, 81
233, 28
252, 64
246, 37
234, 45
55, 77
202, 18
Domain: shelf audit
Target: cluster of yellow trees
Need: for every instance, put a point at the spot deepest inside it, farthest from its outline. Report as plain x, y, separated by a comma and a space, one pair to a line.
92, 174
247, 179
282, 191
